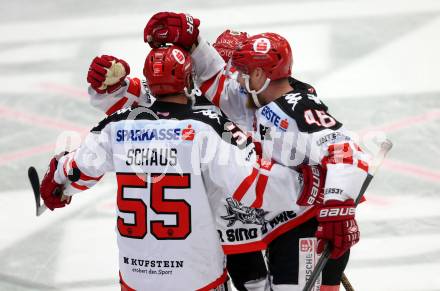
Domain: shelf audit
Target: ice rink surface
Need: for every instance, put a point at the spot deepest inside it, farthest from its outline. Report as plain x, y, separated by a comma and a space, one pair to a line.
375, 63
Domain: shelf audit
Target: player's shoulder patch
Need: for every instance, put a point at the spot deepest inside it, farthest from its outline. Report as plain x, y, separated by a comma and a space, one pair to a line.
309, 112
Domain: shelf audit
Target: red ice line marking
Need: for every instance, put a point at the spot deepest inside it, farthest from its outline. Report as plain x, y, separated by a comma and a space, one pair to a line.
405, 122
35, 119
66, 90
403, 168
29, 152
412, 170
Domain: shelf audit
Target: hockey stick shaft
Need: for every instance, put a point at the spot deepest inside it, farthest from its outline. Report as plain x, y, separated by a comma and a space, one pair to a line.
385, 147
346, 283
35, 183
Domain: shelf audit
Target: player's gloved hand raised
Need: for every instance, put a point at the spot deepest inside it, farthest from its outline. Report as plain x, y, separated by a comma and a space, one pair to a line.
337, 226
51, 191
106, 73
168, 27
313, 185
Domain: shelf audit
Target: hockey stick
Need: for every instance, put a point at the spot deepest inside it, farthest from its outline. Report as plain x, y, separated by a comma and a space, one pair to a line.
385, 147
35, 183
346, 283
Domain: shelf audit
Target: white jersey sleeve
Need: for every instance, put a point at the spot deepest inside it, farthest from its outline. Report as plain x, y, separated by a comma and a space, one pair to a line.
132, 93
87, 164
219, 84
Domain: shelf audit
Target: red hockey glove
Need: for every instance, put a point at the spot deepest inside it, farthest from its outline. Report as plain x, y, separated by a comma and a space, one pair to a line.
313, 189
168, 27
337, 226
228, 41
51, 191
106, 73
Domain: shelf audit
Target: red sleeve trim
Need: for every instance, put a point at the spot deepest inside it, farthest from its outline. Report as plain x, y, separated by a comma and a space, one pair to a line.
134, 87
118, 105
83, 176
207, 84
363, 165
262, 244
245, 185
220, 280
218, 93
79, 187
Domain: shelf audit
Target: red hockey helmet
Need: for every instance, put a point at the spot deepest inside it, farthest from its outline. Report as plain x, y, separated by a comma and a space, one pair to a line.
228, 41
269, 51
167, 70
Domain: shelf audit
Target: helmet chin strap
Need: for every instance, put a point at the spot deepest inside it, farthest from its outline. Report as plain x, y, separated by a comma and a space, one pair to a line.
192, 95
254, 93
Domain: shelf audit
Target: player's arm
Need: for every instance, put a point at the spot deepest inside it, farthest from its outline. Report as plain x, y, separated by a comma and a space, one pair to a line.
79, 170
110, 87
212, 77
219, 85
323, 140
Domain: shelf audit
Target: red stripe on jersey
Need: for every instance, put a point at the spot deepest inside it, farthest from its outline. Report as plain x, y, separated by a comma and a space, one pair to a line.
124, 286
83, 176
79, 187
134, 87
218, 93
262, 244
261, 186
207, 84
220, 280
245, 185
118, 105
363, 165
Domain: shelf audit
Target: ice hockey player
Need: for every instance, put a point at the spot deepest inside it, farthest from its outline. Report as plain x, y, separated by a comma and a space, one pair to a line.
294, 127
186, 179
248, 270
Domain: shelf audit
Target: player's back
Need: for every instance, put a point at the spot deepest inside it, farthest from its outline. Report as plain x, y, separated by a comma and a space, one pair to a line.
166, 232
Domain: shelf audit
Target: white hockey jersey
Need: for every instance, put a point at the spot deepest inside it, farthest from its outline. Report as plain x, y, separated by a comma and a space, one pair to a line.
186, 181
294, 129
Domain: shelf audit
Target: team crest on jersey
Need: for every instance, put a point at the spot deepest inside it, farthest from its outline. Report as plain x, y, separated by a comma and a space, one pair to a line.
246, 215
284, 124
188, 133
178, 55
262, 45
